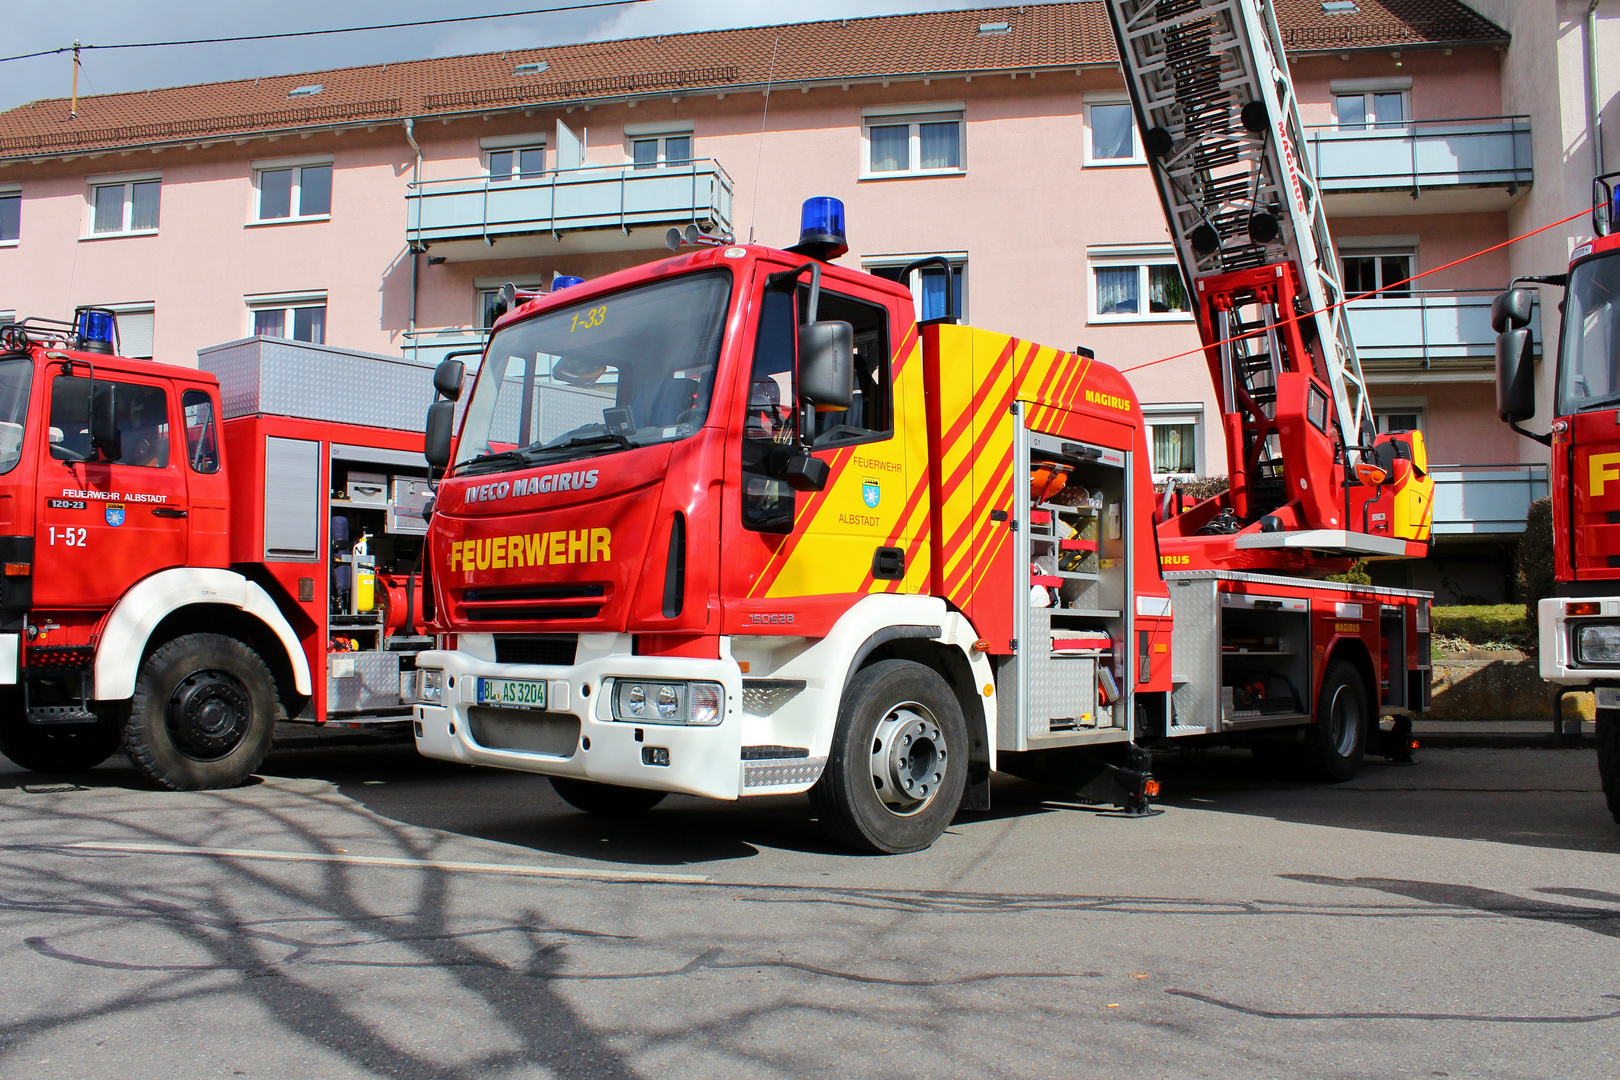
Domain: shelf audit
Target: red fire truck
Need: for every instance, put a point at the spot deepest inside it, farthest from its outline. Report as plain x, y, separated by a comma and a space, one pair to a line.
1580, 627
192, 555
740, 523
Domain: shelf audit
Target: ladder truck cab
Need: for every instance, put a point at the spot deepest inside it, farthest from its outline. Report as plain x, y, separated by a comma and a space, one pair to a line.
1579, 628
191, 555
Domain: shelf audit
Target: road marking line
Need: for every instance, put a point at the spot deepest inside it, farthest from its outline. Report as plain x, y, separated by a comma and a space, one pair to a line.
515, 870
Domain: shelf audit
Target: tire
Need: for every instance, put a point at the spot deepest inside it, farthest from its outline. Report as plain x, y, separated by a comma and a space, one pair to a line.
606, 800
899, 760
1335, 743
1608, 752
52, 747
203, 713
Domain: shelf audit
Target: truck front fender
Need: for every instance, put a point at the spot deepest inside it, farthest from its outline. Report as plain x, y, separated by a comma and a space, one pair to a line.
130, 624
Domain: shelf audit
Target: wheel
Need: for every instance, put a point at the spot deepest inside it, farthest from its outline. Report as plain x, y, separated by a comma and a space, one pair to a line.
52, 747
608, 800
1335, 743
898, 763
1608, 748
203, 713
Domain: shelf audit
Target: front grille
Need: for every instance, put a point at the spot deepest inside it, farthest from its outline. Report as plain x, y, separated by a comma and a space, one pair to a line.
556, 650
552, 734
536, 614
533, 592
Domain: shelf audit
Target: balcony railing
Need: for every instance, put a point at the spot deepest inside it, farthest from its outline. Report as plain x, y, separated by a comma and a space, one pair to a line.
564, 201
431, 346
1489, 151
1485, 500
1421, 331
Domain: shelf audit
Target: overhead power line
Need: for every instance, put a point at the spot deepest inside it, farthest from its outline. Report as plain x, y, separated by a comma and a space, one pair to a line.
334, 30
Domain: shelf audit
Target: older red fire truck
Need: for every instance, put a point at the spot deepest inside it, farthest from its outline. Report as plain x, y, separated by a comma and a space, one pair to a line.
1580, 627
190, 555
738, 523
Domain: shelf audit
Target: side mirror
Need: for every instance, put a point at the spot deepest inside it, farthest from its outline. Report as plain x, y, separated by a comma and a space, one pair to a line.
827, 365
1511, 310
448, 377
104, 438
1515, 374
441, 421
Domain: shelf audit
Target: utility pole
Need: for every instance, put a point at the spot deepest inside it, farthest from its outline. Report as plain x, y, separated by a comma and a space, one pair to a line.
73, 109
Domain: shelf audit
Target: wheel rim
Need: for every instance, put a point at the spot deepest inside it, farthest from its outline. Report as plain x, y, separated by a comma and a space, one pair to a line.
908, 759
1345, 721
209, 714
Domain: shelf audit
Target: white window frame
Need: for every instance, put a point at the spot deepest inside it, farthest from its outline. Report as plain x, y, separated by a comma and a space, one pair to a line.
1366, 250
1142, 257
1382, 407
484, 286
662, 132
128, 182
298, 164
1138, 157
922, 113
501, 144
138, 307
1367, 88
287, 303
6, 192
1169, 414
955, 258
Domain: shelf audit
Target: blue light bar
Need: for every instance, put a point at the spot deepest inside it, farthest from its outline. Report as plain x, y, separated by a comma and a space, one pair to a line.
97, 330
565, 281
821, 228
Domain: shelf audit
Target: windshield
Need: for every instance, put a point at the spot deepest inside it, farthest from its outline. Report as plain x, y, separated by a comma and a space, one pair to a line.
16, 377
625, 370
1589, 367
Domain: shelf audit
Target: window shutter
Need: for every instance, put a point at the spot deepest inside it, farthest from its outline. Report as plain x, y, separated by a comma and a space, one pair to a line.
135, 334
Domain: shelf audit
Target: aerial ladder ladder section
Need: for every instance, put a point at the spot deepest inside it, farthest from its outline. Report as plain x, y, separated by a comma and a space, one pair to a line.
1215, 106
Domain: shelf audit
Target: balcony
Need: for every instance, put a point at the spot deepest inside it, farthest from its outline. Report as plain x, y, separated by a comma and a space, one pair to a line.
431, 346
1434, 336
1423, 166
1481, 501
566, 211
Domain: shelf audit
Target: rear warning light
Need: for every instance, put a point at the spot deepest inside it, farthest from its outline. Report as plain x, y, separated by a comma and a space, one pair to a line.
1150, 788
1414, 744
18, 569
1584, 607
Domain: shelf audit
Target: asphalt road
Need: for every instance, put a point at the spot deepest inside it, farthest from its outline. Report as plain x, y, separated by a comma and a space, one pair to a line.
1460, 917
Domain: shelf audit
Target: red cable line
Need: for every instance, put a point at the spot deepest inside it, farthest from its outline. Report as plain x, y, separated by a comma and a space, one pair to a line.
1362, 296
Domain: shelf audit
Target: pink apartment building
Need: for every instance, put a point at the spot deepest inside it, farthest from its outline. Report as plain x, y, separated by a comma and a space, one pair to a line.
379, 208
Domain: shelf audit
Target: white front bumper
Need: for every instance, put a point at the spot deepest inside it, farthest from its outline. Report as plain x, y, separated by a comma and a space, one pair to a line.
1556, 646
702, 760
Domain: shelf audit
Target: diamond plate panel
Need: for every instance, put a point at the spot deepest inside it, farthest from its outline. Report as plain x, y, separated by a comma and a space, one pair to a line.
1195, 649
374, 684
775, 772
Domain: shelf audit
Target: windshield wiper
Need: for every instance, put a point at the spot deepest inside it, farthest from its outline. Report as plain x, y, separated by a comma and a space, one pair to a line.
528, 455
516, 456
590, 440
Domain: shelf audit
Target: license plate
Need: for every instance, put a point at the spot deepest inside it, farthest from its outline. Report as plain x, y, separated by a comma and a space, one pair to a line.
512, 693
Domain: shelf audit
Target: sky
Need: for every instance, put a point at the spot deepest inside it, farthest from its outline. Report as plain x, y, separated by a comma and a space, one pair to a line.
32, 25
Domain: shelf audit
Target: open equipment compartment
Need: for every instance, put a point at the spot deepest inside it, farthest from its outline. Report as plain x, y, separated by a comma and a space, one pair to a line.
1073, 521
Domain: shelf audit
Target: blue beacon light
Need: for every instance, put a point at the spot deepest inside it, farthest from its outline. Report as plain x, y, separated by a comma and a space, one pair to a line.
821, 229
565, 281
96, 331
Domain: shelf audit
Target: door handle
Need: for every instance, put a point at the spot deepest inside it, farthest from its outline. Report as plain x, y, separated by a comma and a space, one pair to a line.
168, 512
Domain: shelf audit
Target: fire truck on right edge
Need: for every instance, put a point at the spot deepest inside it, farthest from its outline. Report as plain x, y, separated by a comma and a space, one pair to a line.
737, 523
1580, 627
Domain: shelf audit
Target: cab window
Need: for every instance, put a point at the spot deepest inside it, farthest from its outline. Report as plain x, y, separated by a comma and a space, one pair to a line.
871, 415
769, 430
202, 435
141, 417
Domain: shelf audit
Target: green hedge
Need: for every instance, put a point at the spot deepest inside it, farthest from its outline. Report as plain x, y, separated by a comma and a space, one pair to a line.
1482, 624
1536, 557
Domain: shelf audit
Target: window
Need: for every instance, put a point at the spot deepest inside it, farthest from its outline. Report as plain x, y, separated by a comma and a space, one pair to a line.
1146, 288
10, 214
653, 151
927, 284
140, 416
1376, 271
1399, 414
300, 317
288, 191
489, 296
921, 141
1111, 134
518, 163
122, 206
135, 326
1173, 440
1371, 109
202, 436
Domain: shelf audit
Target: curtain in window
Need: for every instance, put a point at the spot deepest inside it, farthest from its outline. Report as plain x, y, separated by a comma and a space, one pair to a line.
1389, 110
1173, 448
678, 150
1166, 293
110, 208
269, 323
10, 217
933, 292
1111, 132
891, 147
941, 145
309, 324
144, 212
644, 152
1116, 290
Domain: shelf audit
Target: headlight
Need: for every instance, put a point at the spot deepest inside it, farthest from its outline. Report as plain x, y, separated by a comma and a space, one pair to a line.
700, 703
1598, 644
430, 685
